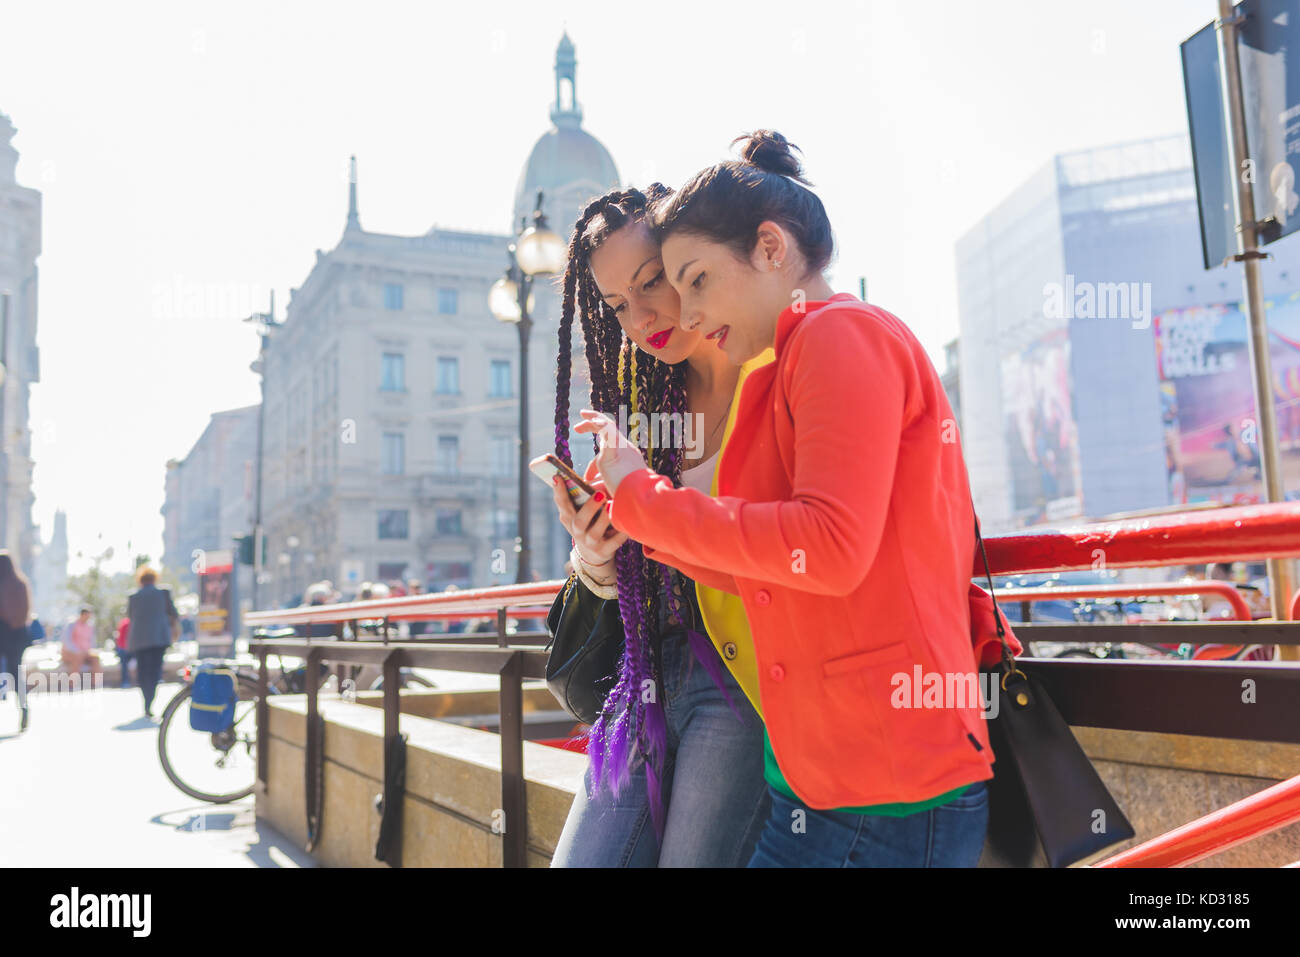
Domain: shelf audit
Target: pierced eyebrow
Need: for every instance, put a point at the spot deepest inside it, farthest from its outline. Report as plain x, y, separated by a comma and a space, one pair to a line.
682, 271
611, 295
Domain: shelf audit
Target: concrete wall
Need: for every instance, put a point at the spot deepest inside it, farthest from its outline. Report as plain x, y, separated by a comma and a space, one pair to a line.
454, 785
1163, 781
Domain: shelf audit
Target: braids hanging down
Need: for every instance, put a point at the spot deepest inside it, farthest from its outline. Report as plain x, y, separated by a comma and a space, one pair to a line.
622, 375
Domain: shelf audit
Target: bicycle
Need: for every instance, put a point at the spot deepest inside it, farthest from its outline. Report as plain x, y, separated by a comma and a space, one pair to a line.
221, 767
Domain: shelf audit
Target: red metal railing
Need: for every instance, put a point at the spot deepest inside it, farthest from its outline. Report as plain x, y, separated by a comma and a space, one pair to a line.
1244, 533
1049, 592
523, 601
1269, 810
1247, 533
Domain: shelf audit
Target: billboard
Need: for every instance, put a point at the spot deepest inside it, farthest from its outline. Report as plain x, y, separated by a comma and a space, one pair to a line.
1208, 401
1041, 434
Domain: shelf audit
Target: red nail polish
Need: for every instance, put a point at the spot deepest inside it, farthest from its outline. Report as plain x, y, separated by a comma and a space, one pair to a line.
600, 497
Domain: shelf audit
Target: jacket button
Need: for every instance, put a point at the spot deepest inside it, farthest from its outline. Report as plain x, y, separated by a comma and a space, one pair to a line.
777, 673
763, 596
729, 650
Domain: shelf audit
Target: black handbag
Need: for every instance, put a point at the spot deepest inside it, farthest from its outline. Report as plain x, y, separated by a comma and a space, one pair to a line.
1041, 775
586, 649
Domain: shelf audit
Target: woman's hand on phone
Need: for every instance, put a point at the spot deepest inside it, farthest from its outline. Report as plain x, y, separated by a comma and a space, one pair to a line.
617, 458
593, 535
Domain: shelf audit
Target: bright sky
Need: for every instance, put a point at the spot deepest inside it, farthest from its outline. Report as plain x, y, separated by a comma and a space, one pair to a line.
193, 158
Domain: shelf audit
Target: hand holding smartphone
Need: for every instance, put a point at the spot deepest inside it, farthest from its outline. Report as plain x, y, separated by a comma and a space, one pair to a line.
546, 467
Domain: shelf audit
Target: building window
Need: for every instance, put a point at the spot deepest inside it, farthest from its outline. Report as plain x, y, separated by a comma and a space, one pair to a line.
504, 452
505, 523
394, 453
449, 454
448, 375
393, 295
448, 521
392, 376
448, 302
501, 383
392, 572
394, 523
442, 574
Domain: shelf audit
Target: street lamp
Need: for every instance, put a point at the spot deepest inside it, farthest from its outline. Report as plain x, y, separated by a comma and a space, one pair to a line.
536, 252
265, 322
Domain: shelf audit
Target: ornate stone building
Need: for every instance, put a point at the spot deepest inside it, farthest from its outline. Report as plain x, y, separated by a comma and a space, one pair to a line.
391, 420
209, 493
20, 245
50, 599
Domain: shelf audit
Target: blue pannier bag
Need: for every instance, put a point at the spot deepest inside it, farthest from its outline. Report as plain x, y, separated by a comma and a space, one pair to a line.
212, 703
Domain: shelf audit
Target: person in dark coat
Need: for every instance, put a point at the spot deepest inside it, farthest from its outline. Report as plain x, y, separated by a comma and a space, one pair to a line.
15, 605
153, 618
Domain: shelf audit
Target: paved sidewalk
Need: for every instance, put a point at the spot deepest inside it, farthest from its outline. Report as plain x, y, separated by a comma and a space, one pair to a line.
82, 787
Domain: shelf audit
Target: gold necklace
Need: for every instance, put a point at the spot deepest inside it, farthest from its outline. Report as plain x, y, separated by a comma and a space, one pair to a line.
722, 420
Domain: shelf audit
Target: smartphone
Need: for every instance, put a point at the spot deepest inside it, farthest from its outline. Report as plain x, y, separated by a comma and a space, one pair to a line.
546, 467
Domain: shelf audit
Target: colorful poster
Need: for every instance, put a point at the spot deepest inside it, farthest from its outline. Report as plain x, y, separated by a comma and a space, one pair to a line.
1208, 400
215, 593
1042, 436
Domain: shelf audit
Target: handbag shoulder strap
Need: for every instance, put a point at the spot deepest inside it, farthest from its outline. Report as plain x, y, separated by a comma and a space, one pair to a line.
1008, 661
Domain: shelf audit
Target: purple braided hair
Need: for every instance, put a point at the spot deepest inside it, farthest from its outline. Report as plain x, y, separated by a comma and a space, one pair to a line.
632, 722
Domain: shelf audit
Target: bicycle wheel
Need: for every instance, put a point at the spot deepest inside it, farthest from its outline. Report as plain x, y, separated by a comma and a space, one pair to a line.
215, 767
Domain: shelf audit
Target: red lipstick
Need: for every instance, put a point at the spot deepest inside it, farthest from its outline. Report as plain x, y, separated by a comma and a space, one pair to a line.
659, 339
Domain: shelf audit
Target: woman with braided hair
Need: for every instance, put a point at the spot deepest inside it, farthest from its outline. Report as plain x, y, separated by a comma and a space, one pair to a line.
841, 516
676, 759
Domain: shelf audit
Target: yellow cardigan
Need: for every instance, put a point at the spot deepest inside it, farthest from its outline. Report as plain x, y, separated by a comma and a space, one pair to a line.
724, 613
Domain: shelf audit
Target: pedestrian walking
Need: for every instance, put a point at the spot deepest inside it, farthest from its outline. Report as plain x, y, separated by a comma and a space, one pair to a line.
123, 656
15, 604
154, 625
79, 647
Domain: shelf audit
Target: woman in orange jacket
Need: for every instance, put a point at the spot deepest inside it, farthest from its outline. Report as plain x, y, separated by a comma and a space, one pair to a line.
843, 520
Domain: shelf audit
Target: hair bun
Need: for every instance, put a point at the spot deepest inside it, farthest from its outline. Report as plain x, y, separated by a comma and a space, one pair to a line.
770, 151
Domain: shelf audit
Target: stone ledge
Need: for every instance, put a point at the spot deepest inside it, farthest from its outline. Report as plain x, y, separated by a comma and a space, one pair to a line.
452, 773
1189, 752
435, 703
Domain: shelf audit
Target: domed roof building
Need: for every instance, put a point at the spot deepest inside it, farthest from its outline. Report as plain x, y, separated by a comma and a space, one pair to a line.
568, 164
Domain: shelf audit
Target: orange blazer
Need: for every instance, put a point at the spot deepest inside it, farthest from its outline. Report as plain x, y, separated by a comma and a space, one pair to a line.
843, 520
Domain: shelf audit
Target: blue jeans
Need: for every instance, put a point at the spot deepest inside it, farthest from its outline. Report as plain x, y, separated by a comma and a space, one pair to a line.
950, 835
715, 800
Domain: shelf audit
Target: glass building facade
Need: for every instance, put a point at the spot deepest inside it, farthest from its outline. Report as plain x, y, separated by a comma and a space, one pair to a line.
1076, 293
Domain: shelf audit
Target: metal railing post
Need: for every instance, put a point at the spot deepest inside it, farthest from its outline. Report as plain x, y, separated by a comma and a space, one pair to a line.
314, 764
263, 722
514, 818
388, 848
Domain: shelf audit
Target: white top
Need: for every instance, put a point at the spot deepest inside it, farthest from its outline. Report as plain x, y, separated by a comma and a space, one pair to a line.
701, 476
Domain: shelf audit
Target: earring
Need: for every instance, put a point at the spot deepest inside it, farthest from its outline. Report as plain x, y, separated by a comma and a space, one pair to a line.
776, 264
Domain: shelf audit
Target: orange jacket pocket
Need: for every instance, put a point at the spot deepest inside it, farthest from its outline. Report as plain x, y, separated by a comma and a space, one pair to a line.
865, 659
